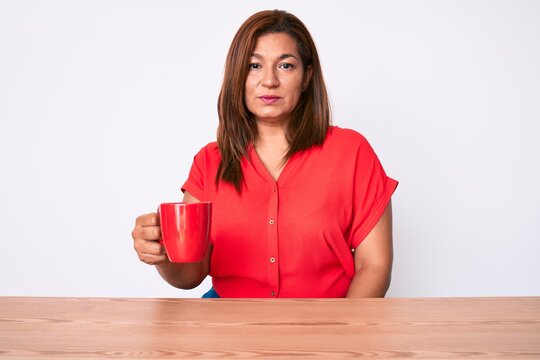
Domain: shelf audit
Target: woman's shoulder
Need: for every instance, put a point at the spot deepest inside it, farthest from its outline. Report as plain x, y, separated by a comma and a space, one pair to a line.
211, 147
210, 152
345, 138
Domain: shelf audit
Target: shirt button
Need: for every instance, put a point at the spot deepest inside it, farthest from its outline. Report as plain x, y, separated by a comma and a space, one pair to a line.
271, 222
274, 189
272, 260
272, 293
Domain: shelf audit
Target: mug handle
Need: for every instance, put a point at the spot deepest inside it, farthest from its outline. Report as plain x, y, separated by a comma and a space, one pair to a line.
160, 240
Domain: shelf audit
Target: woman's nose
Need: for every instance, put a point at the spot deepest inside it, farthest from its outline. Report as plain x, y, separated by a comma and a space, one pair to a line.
270, 78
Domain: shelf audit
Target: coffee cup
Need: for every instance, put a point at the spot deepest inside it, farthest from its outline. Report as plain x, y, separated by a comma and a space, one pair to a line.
185, 230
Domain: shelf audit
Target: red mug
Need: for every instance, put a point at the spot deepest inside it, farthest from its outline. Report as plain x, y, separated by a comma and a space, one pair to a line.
185, 230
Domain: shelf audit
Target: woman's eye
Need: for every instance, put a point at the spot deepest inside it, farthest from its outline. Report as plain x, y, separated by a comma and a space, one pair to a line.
286, 66
254, 66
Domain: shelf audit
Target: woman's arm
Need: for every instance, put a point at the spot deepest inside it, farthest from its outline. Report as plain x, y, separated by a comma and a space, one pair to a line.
373, 260
185, 275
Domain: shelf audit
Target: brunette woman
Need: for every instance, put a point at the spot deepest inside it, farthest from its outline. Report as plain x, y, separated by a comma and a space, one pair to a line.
300, 208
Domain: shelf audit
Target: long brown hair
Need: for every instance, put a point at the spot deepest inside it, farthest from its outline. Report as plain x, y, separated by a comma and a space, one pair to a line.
237, 126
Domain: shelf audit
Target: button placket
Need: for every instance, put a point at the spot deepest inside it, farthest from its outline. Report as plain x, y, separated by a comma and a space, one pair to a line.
273, 241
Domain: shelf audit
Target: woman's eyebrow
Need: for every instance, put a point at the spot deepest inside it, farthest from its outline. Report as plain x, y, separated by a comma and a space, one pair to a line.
284, 56
281, 57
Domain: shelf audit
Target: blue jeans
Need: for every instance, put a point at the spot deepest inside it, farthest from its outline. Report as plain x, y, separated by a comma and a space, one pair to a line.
210, 294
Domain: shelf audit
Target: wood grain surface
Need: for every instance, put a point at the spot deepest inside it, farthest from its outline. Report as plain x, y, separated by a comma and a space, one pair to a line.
438, 328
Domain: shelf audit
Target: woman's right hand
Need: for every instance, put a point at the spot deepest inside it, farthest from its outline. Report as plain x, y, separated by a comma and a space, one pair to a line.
146, 240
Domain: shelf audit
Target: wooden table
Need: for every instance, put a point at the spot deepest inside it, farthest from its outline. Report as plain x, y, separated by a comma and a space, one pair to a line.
444, 328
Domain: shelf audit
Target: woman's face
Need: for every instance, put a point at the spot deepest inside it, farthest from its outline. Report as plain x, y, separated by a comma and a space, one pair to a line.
275, 79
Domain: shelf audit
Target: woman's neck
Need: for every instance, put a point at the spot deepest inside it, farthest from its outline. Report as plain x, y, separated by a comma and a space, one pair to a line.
271, 137
271, 146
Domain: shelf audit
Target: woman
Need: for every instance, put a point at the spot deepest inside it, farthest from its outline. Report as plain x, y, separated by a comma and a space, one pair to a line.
300, 208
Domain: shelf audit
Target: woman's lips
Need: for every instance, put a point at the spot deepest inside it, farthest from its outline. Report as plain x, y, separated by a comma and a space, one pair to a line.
269, 99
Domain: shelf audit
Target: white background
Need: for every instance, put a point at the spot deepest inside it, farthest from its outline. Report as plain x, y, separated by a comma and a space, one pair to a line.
103, 105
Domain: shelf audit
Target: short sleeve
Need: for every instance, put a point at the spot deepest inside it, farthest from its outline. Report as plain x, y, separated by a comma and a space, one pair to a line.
195, 184
372, 190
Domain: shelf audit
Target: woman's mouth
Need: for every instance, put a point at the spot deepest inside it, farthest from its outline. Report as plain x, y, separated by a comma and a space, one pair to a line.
269, 99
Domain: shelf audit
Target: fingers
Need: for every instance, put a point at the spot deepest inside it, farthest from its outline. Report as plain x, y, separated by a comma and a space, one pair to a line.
155, 260
146, 233
150, 252
149, 247
145, 239
147, 227
150, 219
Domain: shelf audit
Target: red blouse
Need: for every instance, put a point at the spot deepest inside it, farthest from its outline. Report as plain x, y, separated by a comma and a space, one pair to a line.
293, 237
